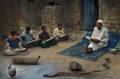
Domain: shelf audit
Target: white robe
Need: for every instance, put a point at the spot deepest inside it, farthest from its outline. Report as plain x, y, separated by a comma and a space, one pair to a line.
101, 35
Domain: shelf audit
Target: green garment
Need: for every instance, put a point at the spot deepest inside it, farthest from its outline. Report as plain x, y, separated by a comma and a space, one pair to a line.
118, 46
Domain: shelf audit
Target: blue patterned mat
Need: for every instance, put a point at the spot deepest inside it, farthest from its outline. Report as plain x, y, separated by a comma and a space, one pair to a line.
78, 49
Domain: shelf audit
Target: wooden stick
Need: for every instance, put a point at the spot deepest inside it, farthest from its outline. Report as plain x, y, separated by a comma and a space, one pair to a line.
72, 73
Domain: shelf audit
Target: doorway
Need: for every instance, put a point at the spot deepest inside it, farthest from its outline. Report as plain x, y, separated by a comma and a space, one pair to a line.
89, 14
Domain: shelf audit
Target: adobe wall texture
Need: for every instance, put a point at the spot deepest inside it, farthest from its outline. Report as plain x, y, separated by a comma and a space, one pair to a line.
109, 11
9, 18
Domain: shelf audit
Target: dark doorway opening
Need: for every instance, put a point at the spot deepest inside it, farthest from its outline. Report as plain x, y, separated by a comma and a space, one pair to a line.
89, 14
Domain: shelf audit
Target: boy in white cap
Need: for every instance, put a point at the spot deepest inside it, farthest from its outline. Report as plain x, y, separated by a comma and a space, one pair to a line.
59, 33
99, 38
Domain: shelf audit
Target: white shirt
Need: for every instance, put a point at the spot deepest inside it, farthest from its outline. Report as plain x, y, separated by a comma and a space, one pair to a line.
58, 32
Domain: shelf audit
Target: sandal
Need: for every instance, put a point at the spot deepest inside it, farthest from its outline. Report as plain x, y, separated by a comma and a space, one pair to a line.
106, 66
107, 60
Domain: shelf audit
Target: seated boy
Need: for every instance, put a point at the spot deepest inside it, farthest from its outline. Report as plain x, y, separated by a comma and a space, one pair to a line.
59, 33
13, 45
44, 36
27, 38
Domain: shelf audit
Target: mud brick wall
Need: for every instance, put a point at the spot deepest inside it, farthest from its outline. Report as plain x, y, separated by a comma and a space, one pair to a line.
109, 11
31, 12
51, 16
68, 12
9, 16
71, 13
19, 13
76, 14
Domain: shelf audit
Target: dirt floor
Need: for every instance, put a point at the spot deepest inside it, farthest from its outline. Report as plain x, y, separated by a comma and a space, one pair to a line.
51, 62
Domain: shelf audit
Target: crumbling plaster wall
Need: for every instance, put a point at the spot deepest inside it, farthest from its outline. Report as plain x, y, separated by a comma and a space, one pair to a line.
109, 12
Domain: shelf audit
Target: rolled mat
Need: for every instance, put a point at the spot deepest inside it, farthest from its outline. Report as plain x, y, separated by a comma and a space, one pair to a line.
26, 60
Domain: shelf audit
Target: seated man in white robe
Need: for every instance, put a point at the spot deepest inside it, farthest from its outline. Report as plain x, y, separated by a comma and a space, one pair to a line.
99, 38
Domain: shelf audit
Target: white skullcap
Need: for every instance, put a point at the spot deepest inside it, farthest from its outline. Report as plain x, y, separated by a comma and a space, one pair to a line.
100, 21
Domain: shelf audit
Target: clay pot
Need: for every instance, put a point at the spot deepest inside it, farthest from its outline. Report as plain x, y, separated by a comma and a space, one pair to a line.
75, 66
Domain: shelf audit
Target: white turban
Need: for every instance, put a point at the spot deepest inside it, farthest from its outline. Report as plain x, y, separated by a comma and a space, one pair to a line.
100, 21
